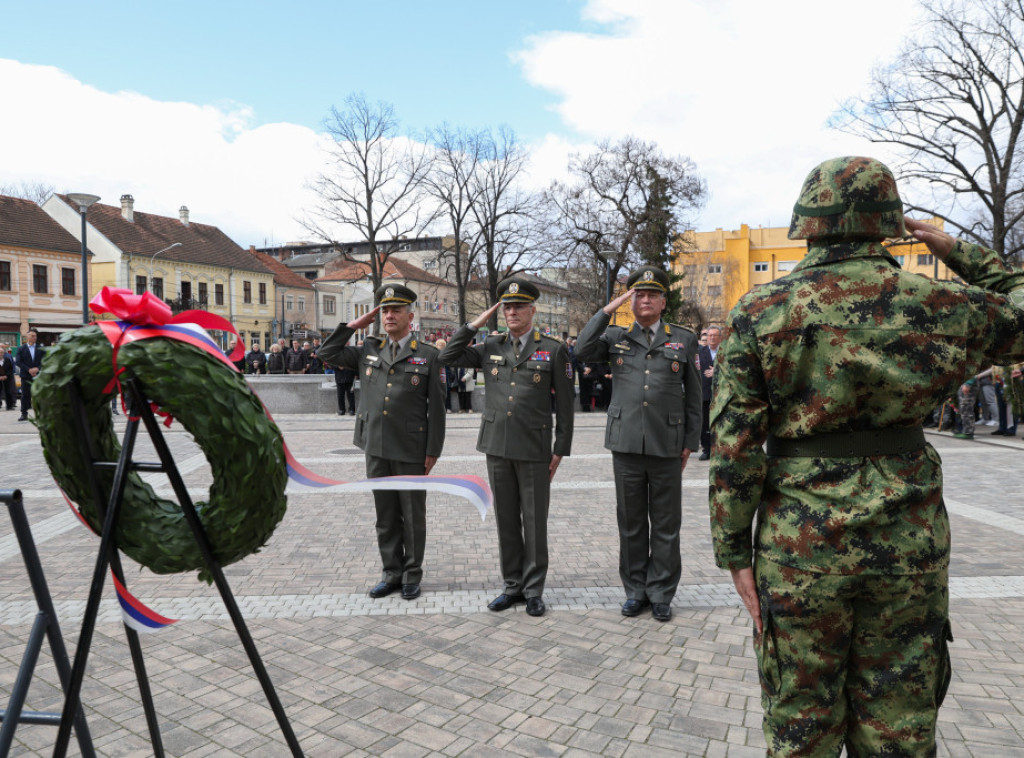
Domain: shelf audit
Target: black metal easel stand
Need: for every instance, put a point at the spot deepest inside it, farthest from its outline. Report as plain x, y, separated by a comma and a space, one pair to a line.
139, 410
44, 624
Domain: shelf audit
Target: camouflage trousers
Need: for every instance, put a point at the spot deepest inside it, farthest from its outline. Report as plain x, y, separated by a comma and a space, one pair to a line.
967, 406
853, 660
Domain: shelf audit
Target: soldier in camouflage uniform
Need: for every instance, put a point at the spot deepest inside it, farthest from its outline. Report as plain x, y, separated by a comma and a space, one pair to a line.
834, 366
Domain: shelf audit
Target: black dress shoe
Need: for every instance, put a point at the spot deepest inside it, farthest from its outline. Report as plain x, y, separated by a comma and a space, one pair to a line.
535, 606
383, 590
504, 602
410, 591
704, 456
632, 606
23, 417
661, 611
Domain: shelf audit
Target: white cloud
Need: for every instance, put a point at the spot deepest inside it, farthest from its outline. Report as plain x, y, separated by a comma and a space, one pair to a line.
742, 87
247, 180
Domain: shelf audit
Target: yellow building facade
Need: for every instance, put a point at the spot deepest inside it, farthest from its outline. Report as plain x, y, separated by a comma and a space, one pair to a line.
721, 266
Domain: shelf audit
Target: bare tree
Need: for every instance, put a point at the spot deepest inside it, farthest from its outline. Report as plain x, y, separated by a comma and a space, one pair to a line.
373, 182
705, 284
628, 198
505, 236
37, 192
953, 103
452, 184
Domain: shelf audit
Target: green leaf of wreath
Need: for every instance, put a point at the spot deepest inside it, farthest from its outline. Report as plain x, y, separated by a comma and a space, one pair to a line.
245, 448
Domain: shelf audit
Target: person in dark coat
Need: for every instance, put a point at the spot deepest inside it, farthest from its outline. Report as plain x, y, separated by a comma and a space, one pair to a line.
30, 360
8, 390
344, 380
255, 360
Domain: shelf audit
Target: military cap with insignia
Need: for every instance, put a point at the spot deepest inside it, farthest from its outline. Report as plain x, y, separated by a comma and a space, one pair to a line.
648, 278
517, 289
394, 294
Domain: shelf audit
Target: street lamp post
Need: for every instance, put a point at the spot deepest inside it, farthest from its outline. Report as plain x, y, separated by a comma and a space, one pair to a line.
149, 283
608, 256
83, 201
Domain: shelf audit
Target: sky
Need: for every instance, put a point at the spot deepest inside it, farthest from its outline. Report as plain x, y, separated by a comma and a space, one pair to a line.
220, 105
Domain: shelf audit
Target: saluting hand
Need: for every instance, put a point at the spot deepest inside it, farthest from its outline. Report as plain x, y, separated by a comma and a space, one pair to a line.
940, 243
480, 320
614, 304
363, 321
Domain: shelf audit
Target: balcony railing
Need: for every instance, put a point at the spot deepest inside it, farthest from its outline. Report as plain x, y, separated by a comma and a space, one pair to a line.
187, 304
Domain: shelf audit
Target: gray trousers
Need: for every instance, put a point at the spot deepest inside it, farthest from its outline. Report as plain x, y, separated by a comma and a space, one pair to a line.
649, 508
401, 522
521, 494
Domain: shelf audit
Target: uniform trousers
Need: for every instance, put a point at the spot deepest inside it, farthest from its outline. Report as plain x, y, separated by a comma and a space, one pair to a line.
649, 505
401, 522
522, 490
860, 660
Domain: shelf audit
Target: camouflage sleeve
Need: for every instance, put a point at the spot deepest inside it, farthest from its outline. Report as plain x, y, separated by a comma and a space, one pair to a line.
981, 267
739, 426
997, 300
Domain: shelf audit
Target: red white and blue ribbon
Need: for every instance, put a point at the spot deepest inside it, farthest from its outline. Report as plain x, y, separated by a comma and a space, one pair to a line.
145, 316
136, 615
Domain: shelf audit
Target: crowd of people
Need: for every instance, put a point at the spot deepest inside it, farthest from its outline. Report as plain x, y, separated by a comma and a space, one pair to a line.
993, 397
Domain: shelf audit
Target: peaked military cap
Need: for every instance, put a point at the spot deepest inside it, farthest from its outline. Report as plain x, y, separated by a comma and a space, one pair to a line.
517, 289
648, 278
394, 294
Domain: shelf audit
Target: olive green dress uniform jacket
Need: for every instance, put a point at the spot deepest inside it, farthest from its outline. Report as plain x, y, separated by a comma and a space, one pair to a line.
846, 342
401, 413
516, 421
656, 391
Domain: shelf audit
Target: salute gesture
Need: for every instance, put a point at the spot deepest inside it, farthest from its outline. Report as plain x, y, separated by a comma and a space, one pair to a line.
480, 320
364, 321
614, 304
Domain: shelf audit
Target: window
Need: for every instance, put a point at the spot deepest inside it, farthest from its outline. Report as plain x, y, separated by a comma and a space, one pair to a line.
760, 267
302, 304
158, 286
786, 265
67, 281
263, 293
5, 276
289, 303
202, 293
39, 283
247, 292
218, 294
715, 291
329, 305
715, 268
140, 285
926, 260
900, 259
186, 290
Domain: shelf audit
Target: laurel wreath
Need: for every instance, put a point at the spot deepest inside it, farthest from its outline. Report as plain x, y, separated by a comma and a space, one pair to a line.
214, 404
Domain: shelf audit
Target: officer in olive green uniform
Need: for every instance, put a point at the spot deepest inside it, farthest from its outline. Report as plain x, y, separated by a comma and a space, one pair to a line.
523, 371
654, 422
833, 366
400, 425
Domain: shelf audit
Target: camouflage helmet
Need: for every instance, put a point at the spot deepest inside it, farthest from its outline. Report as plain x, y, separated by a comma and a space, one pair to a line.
850, 197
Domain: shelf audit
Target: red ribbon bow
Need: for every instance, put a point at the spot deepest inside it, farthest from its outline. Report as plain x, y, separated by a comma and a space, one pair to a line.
142, 316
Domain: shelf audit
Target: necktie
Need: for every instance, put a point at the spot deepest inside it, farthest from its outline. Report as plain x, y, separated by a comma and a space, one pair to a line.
394, 350
517, 347
649, 335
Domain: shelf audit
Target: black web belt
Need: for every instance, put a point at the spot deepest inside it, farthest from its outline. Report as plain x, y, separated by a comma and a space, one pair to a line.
860, 444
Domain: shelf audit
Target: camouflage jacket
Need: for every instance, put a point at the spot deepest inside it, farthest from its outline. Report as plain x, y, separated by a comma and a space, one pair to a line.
849, 341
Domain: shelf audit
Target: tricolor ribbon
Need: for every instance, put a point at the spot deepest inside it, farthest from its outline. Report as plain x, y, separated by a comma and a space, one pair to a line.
145, 316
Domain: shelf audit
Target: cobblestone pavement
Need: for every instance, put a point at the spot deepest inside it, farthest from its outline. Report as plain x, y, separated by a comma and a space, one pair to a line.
442, 676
